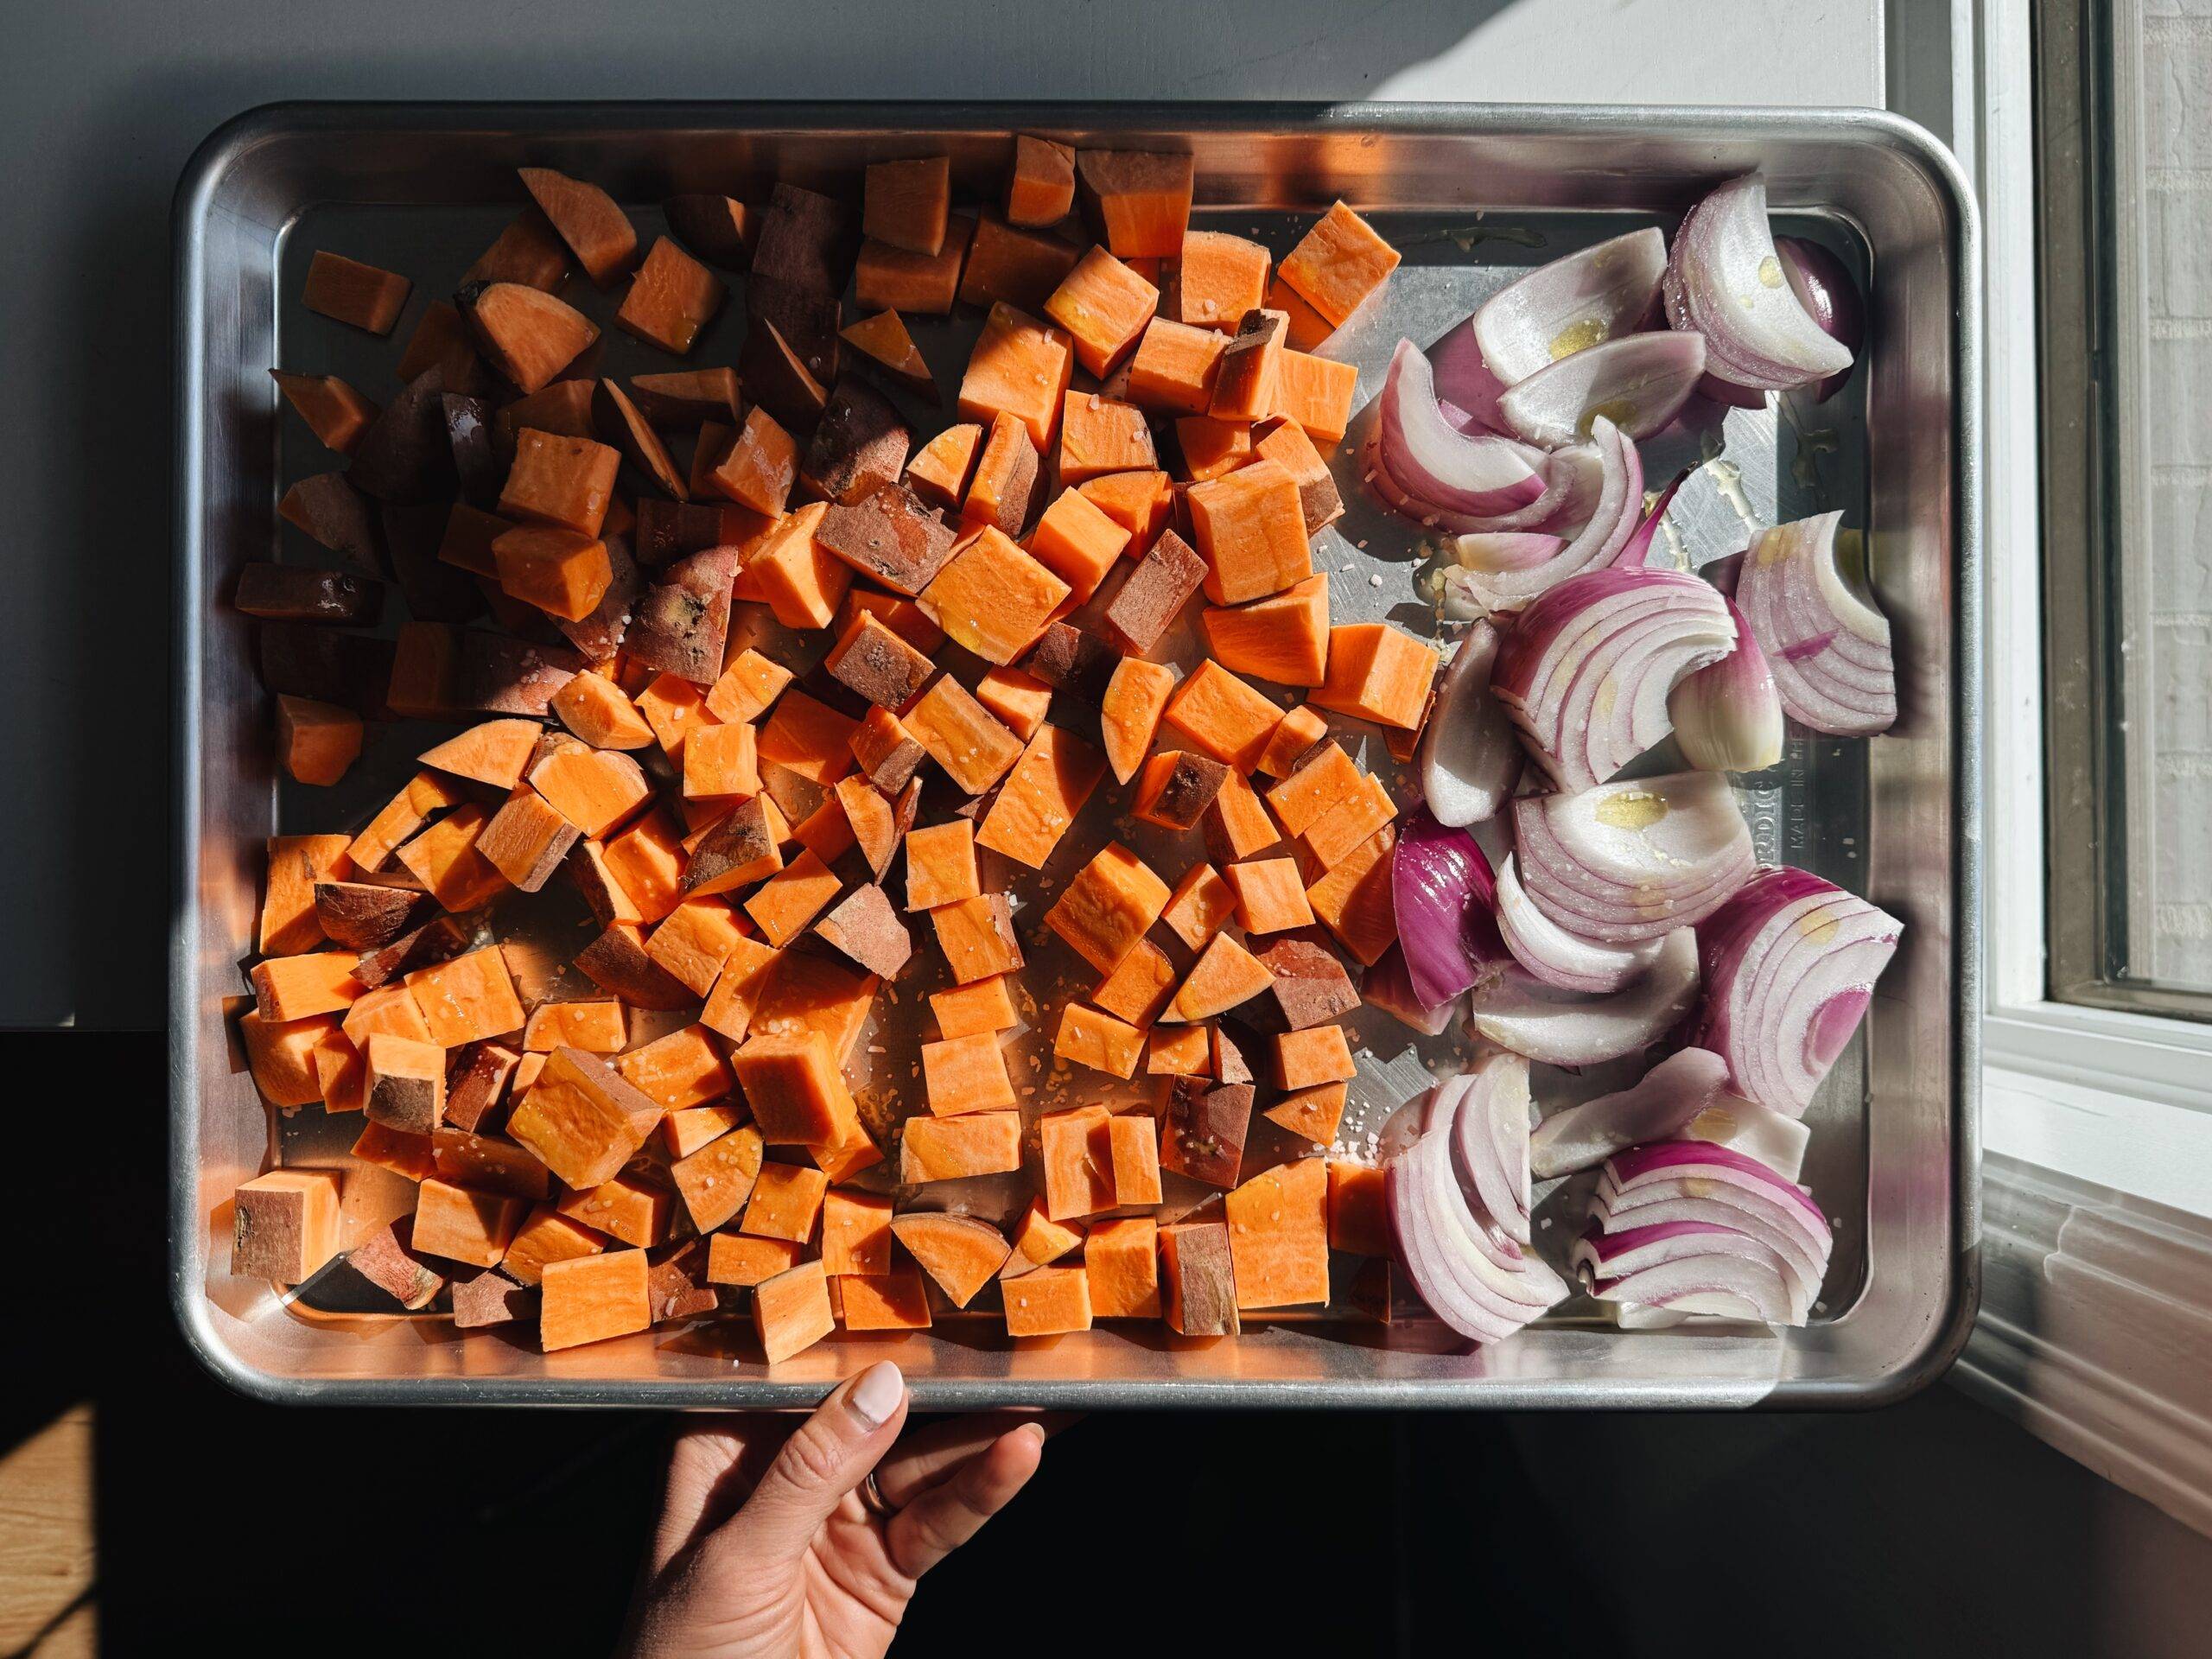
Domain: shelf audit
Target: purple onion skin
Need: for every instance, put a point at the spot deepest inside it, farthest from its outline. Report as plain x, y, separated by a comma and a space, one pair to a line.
1824, 287
1440, 965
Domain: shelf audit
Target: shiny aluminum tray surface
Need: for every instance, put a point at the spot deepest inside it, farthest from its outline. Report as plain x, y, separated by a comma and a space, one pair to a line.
1472, 196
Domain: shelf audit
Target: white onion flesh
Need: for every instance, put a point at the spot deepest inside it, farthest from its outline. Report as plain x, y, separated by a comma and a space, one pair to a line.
1610, 1256
1523, 1014
1601, 498
1667, 1097
1490, 1141
1727, 716
1470, 759
1435, 464
1589, 296
1627, 862
1555, 955
1826, 646
1724, 280
1639, 382
1745, 1126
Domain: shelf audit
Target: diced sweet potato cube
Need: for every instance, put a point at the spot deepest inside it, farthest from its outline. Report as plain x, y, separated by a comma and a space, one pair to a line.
1311, 987
529, 336
1323, 781
1039, 1239
1009, 265
284, 1225
878, 664
890, 352
1338, 263
1101, 438
592, 1298
941, 468
966, 1074
808, 993
1283, 638
959, 1252
941, 865
962, 736
1176, 789
1004, 478
867, 929
1174, 367
1078, 1150
1270, 897
1279, 1236
1200, 906
1292, 741
296, 865
917, 284
791, 1311
1315, 393
952, 1148
349, 291
740, 1259
1211, 448
1250, 529
1048, 1301
695, 941
465, 1226
994, 598
795, 1090
1129, 712
785, 1203
1332, 836
748, 686
581, 1119
680, 1070
1354, 899
682, 1133
890, 1301
1141, 199
1377, 672
1078, 542
1313, 1113
1218, 278
722, 762
1019, 367
905, 203
1244, 388
977, 937
388, 1261
562, 482
672, 707
855, 1234
1098, 1040
445, 861
292, 988
1133, 1140
546, 1237
1107, 906
318, 741
1042, 796
1041, 188
1179, 1052
1105, 307
647, 862
810, 737
405, 1083
983, 1006
596, 790
1309, 329
1319, 1054
1143, 498
717, 1179
1222, 717
760, 467
1226, 976
1138, 986
793, 898
596, 230
1121, 1260
672, 298
1199, 1287
793, 574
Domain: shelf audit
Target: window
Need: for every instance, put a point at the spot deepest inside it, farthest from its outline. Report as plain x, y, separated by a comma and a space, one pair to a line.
2124, 186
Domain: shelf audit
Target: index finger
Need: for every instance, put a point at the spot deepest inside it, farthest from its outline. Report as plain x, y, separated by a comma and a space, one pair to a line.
926, 1457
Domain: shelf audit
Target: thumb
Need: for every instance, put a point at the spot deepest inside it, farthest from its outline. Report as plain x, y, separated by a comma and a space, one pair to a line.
827, 1456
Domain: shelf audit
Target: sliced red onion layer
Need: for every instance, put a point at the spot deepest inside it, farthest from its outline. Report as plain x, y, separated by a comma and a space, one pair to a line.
1826, 645
1669, 1097
1789, 964
1824, 287
1490, 1141
1576, 302
1639, 382
1724, 280
1745, 1126
1470, 759
1608, 1256
1555, 955
1753, 1284
1727, 716
1637, 550
1446, 896
1628, 861
1587, 672
1465, 387
1676, 1169
1600, 489
1804, 1252
1523, 1014
1440, 466
1387, 986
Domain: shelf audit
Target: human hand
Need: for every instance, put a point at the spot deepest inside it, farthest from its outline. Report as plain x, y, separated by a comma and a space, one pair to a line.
765, 1548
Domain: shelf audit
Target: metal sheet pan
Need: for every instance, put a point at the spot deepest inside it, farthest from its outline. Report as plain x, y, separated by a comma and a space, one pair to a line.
1472, 195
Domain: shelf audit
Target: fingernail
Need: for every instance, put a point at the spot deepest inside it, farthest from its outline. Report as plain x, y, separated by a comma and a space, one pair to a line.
877, 1394
1034, 1430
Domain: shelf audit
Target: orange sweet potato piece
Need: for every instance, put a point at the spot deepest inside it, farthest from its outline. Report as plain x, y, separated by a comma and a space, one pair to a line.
797, 1091
980, 1005
941, 865
966, 1074
564, 482
1312, 1113
1218, 279
1100, 439
293, 988
1270, 897
1141, 500
1353, 898
1142, 200
672, 298
1176, 789
1211, 448
808, 736
296, 864
963, 737
1012, 266
855, 1234
596, 709
1338, 263
597, 1026
941, 468
1041, 188
761, 465
1377, 672
683, 1068
1078, 542
953, 1148
646, 862
1286, 443
1046, 789
1307, 1058
747, 686
791, 1311
1174, 367
1134, 1139
721, 763
1279, 1236
1226, 976
1179, 1052
1236, 824
1078, 1150
1250, 529
1198, 1290
581, 1119
467, 999
622, 1209
561, 572
465, 1226
494, 752
318, 741
1331, 838
1048, 1301
596, 230
1107, 906
883, 339
527, 335
683, 398
1019, 367
529, 251
334, 412
740, 1259
1039, 1239
1292, 741
917, 284
1316, 393
1020, 700
806, 993
717, 1179
1097, 1040
1138, 987
349, 291
1245, 385
1004, 477
787, 1202
976, 936
737, 991
285, 1225
888, 1301
959, 1252
904, 204
1284, 638
1221, 716
1200, 905
793, 574
1121, 1258
1326, 778
282, 1055
592, 1298
789, 899
671, 705
1104, 306
594, 789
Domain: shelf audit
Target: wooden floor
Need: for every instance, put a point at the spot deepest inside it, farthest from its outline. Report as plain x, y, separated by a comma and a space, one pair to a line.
48, 1607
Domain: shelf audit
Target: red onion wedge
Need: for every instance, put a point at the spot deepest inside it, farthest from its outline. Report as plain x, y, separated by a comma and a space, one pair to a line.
1789, 964
1611, 1255
1433, 463
1446, 896
1554, 955
1470, 759
1670, 1095
1803, 1253
1388, 986
1662, 1170
1826, 645
1490, 1141
1824, 287
1601, 492
1639, 382
1465, 387
1630, 861
1587, 668
1724, 280
1745, 1126
1727, 716
1637, 550
1576, 302
1542, 1022
1753, 1284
